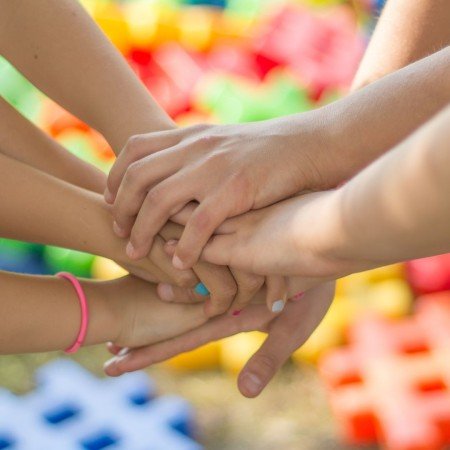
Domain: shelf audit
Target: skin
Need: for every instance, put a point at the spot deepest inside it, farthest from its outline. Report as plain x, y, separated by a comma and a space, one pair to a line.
382, 216
383, 52
125, 311
309, 151
46, 51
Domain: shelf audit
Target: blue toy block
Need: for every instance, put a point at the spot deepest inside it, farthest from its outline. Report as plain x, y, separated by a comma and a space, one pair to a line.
211, 3
73, 410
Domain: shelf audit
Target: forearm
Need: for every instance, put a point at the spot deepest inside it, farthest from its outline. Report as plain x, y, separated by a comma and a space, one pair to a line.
43, 314
397, 209
56, 45
369, 122
23, 141
406, 32
61, 214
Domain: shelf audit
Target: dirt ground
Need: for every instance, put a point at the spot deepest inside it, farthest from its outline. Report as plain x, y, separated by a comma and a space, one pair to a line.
291, 415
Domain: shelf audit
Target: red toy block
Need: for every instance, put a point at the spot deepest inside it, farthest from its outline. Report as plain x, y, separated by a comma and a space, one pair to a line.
429, 275
323, 51
391, 384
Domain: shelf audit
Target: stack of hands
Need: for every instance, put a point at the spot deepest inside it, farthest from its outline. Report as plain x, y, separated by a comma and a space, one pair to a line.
224, 229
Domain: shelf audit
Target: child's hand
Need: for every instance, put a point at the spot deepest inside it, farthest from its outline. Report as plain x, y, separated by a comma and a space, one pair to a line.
227, 169
141, 317
294, 237
286, 333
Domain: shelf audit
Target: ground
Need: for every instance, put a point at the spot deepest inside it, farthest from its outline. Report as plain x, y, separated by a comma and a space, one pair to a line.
291, 415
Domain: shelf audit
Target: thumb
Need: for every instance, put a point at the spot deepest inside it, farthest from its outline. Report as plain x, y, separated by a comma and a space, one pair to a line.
262, 366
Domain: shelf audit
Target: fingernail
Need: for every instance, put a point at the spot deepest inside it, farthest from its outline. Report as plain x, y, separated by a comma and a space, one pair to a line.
177, 263
201, 289
171, 242
130, 250
298, 296
278, 306
237, 312
118, 229
251, 383
108, 196
165, 291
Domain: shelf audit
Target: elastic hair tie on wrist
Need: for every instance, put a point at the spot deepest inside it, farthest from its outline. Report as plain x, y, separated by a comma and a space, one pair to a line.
84, 311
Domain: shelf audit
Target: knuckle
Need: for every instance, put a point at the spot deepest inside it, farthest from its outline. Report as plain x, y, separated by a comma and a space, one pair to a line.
133, 144
227, 292
185, 280
208, 139
155, 196
202, 221
132, 174
266, 362
251, 285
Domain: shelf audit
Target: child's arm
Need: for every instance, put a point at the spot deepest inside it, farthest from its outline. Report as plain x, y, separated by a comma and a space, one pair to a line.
43, 314
60, 49
232, 169
394, 210
23, 141
406, 32
38, 207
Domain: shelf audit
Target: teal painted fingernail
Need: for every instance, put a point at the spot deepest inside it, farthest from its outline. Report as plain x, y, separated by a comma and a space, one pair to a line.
201, 289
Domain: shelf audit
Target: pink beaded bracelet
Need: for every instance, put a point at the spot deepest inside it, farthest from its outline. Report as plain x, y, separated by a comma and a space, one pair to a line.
84, 311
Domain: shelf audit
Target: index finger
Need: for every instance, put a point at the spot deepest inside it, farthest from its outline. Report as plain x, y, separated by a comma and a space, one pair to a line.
136, 148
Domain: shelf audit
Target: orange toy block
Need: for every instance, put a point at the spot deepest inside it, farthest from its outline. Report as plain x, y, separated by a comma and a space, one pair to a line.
390, 385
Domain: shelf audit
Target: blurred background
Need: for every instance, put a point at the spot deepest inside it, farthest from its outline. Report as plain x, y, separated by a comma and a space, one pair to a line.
226, 61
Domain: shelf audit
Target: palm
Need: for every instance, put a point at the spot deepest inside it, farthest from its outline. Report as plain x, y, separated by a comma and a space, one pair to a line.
286, 333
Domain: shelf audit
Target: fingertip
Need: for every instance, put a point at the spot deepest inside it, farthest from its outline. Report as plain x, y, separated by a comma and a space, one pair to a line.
178, 263
135, 253
108, 196
165, 291
250, 385
277, 306
170, 246
119, 231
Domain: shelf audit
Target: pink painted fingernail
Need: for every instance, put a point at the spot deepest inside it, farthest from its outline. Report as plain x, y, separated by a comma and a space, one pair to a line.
177, 263
298, 296
237, 312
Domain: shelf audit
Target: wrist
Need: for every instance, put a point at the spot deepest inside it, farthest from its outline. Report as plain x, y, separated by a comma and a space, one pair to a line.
104, 320
313, 143
329, 238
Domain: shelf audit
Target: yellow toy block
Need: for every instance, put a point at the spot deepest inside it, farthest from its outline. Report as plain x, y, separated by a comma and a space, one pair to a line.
330, 333
236, 350
359, 281
105, 269
196, 25
143, 22
203, 358
390, 298
112, 21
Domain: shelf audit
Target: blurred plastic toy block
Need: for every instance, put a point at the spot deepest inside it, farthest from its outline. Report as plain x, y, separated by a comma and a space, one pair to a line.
212, 3
391, 384
429, 275
73, 410
324, 51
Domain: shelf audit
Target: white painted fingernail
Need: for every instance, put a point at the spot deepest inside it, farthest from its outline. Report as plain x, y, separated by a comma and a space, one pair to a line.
278, 306
123, 352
